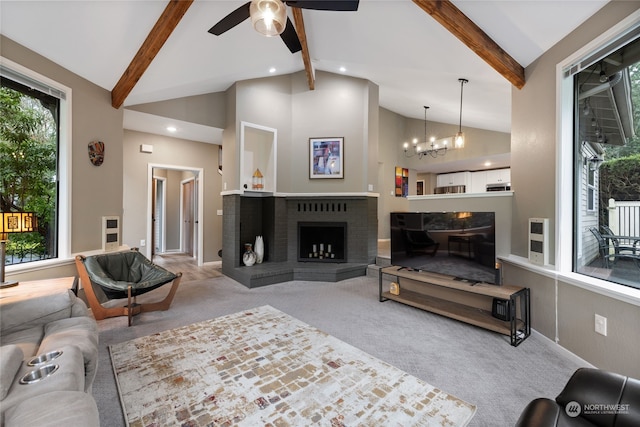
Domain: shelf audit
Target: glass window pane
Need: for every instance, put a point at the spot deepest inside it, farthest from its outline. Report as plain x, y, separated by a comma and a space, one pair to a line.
607, 168
29, 129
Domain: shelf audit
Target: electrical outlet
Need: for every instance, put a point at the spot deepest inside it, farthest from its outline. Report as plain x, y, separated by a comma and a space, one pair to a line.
143, 243
601, 325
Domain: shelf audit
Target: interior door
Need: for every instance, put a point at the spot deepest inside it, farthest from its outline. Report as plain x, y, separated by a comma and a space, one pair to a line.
188, 216
157, 216
154, 224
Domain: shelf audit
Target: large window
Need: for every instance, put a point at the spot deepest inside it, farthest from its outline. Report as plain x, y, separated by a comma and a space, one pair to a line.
30, 130
607, 164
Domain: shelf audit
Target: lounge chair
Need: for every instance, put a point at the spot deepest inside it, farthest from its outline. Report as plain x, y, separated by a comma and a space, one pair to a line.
119, 275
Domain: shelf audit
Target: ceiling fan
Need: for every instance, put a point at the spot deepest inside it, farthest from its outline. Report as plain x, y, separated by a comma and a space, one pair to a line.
269, 17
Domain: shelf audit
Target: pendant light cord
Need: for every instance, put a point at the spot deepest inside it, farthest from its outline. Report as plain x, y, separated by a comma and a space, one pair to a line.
425, 124
462, 82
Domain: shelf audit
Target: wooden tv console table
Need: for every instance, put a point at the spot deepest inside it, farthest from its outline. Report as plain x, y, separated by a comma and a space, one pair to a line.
466, 301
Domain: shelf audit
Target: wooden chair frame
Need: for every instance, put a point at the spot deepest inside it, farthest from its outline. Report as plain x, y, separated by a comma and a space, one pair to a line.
132, 308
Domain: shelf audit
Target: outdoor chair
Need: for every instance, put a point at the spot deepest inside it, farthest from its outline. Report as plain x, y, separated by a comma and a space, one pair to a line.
608, 251
622, 244
603, 247
119, 275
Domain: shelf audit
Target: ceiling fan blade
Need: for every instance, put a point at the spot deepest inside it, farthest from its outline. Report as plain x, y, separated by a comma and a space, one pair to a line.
290, 37
231, 20
335, 5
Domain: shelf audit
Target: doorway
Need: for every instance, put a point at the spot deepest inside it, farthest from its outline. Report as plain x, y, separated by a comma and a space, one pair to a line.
175, 212
159, 196
188, 213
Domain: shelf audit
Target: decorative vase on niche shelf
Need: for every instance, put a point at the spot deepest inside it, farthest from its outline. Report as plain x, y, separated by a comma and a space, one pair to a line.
259, 249
249, 257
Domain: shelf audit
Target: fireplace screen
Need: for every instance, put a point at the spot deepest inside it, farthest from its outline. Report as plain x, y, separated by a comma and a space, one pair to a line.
322, 241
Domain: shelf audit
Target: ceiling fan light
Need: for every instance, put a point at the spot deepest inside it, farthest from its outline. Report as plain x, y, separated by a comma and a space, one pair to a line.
268, 17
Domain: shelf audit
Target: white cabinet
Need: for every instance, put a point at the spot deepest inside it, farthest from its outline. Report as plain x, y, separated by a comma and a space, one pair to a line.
499, 176
478, 182
457, 178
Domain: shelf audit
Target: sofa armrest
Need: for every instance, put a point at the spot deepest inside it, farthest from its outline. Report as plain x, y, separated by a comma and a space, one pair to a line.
539, 412
543, 412
22, 313
10, 363
56, 408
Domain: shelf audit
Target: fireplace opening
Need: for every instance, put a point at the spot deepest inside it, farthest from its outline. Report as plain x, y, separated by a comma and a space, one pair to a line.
322, 241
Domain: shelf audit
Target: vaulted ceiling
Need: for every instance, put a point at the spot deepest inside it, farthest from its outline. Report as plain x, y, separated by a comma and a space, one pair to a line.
414, 50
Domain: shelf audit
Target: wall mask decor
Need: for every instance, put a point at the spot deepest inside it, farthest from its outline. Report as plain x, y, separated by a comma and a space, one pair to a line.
96, 152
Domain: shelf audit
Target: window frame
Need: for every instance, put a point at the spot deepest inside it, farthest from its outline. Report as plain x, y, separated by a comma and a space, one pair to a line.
64, 169
592, 190
565, 206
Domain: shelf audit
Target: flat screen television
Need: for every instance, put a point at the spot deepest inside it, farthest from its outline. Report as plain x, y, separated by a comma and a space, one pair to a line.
461, 245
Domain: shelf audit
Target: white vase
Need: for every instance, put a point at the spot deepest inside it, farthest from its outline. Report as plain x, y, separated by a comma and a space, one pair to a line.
259, 249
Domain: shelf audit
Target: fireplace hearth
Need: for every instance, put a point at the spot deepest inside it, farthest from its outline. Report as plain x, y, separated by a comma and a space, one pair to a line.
350, 220
322, 241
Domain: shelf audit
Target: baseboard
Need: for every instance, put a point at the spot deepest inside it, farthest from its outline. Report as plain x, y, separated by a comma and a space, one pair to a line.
563, 351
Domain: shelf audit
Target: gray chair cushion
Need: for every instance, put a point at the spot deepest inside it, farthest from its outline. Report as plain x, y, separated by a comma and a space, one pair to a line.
115, 272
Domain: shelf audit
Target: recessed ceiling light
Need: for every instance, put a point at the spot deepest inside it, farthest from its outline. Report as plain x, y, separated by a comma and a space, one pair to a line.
343, 69
272, 70
487, 163
171, 128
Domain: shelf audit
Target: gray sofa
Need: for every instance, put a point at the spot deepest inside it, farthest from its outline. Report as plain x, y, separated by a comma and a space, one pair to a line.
49, 324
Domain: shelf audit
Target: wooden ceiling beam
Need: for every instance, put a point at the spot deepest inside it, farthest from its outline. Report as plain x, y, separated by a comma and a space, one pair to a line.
302, 36
159, 34
450, 17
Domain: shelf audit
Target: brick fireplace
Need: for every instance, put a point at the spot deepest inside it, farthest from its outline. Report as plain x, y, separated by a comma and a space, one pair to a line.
278, 220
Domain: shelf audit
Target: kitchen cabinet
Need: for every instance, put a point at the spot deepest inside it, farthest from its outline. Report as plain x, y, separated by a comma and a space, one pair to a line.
499, 176
456, 178
478, 182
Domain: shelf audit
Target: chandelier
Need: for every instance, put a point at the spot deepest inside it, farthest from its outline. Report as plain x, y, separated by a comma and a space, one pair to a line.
428, 147
436, 147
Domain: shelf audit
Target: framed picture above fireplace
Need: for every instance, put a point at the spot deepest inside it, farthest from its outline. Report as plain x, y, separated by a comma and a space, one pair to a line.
326, 158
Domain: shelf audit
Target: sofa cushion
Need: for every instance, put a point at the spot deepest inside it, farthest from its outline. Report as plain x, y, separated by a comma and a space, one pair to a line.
23, 313
79, 309
11, 357
81, 332
57, 408
27, 339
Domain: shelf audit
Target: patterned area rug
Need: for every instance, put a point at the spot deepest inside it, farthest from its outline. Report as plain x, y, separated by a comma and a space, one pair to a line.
262, 367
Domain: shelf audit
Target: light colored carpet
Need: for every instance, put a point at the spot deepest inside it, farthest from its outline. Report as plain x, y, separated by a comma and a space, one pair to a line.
264, 367
471, 363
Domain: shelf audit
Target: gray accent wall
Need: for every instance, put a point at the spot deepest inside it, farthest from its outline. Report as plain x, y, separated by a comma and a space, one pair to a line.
340, 106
